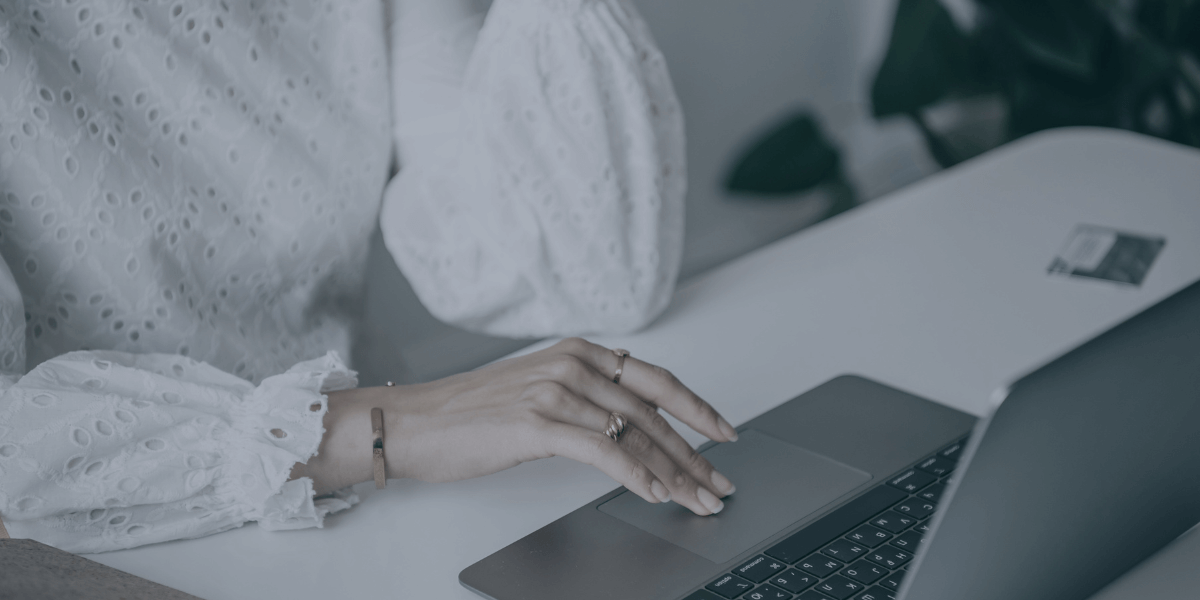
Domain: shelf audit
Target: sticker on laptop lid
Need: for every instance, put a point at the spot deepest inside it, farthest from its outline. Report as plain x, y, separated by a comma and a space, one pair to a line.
1103, 253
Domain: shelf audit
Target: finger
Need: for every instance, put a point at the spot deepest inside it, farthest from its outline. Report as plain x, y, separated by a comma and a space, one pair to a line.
596, 449
684, 488
658, 386
559, 403
687, 465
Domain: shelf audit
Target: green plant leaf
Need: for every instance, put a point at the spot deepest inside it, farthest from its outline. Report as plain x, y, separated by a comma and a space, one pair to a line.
1062, 35
1175, 23
927, 57
1146, 64
1188, 31
791, 158
1110, 63
1041, 99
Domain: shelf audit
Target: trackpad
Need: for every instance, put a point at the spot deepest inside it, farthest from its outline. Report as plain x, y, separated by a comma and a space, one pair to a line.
777, 484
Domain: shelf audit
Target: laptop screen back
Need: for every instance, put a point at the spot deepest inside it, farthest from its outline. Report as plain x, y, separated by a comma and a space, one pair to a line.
1091, 464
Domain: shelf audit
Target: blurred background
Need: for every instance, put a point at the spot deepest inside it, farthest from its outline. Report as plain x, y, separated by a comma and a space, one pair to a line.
798, 110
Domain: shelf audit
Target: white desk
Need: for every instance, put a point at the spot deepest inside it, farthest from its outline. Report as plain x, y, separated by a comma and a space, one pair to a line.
940, 289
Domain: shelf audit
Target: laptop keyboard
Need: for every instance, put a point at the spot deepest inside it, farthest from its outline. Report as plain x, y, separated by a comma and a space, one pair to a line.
857, 552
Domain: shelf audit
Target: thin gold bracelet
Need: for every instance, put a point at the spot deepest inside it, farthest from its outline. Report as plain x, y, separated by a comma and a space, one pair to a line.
379, 465
377, 448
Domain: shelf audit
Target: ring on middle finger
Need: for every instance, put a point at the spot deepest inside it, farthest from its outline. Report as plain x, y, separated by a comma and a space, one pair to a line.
616, 426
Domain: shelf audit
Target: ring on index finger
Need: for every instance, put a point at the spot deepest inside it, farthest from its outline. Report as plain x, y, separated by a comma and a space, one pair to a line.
621, 354
616, 426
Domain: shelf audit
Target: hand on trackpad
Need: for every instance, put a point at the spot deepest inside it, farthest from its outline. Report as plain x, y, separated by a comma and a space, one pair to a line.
778, 484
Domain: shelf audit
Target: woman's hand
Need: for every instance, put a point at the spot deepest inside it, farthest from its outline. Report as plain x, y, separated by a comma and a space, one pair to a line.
555, 402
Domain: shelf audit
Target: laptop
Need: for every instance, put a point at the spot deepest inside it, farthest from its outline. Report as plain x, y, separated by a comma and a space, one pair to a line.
856, 490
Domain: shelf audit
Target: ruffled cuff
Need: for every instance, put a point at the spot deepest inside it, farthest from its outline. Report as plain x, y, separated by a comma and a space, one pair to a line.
107, 450
276, 426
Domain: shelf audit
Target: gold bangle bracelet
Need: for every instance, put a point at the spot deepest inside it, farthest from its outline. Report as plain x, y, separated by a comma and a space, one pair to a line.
380, 467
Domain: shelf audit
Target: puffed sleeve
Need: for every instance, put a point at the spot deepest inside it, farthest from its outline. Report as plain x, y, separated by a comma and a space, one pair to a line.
108, 450
542, 169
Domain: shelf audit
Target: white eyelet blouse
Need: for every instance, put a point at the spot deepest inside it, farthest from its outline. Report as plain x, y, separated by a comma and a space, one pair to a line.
186, 194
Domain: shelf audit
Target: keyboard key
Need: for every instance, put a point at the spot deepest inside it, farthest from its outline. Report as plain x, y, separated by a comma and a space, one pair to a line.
889, 557
922, 527
730, 586
937, 465
794, 581
839, 587
915, 508
912, 480
759, 569
703, 595
864, 572
894, 522
892, 581
819, 565
768, 592
812, 595
953, 451
909, 540
808, 540
877, 593
844, 550
869, 536
932, 493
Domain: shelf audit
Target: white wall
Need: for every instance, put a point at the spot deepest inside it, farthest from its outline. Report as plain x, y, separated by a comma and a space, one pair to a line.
738, 65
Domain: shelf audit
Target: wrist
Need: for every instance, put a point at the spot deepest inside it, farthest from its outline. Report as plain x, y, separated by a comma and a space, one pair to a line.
393, 446
345, 456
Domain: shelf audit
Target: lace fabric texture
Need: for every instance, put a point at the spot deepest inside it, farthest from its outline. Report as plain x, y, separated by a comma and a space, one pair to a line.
186, 179
186, 193
573, 221
160, 447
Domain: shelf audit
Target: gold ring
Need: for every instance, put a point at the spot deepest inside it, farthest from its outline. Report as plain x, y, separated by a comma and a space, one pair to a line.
621, 354
616, 426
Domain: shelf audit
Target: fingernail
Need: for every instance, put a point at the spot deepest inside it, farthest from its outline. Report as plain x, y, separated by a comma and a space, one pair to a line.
727, 429
711, 502
723, 483
660, 491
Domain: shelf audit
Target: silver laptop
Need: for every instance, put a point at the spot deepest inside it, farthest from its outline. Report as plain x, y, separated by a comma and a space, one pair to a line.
855, 490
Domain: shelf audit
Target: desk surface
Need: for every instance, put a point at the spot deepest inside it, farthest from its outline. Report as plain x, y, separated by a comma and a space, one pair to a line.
940, 289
